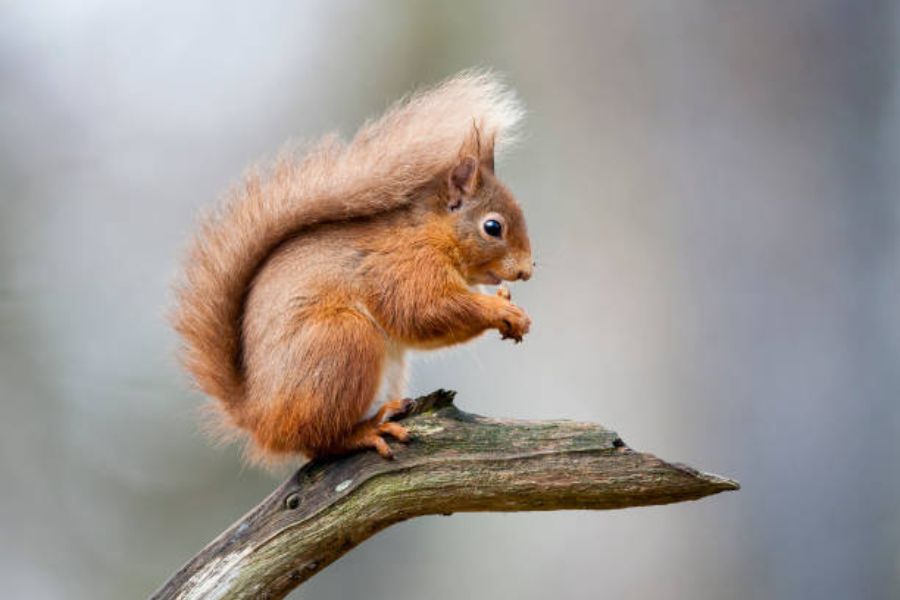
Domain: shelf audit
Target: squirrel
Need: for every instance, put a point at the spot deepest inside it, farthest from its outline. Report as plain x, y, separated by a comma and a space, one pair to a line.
304, 291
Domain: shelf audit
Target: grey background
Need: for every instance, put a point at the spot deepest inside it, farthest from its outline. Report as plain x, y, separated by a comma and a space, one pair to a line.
711, 188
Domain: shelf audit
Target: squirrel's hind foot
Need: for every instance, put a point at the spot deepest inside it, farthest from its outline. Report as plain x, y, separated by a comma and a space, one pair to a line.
371, 437
398, 432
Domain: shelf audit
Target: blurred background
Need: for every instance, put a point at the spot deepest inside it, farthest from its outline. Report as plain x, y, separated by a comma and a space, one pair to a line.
712, 190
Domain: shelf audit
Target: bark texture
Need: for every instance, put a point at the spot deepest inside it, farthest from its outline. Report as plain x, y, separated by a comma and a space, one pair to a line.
457, 462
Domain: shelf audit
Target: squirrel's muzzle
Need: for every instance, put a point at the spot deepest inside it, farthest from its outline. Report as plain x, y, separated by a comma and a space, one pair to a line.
525, 270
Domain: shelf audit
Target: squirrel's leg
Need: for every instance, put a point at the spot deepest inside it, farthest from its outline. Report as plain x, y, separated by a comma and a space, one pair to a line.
328, 373
356, 363
455, 316
445, 311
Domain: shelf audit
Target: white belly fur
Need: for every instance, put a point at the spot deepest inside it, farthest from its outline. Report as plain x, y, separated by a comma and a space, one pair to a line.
393, 378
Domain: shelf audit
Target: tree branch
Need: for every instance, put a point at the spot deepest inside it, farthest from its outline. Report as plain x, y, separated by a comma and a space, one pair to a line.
456, 462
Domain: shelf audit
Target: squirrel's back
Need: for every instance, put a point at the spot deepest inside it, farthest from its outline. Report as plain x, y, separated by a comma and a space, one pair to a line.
375, 172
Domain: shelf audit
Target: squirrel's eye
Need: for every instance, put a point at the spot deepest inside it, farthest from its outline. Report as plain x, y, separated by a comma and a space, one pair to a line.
493, 228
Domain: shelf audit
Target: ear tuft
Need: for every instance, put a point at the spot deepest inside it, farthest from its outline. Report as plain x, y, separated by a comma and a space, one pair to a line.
487, 154
480, 146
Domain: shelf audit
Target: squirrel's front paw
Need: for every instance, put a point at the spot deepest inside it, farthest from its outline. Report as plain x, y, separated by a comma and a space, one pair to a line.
514, 323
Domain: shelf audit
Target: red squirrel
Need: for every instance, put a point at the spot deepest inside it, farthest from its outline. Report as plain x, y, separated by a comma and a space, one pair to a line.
302, 294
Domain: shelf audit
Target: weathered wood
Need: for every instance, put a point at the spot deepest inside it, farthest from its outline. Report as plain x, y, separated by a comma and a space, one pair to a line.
456, 462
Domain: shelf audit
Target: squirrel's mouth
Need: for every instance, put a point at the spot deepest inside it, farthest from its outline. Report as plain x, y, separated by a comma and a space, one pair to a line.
485, 278
491, 278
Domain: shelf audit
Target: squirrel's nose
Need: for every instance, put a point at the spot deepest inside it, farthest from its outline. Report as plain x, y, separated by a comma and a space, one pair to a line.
525, 273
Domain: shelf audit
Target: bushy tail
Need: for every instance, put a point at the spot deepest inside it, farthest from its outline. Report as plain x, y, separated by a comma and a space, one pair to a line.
416, 139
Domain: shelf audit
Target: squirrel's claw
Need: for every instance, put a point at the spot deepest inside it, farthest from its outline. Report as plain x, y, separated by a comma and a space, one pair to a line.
506, 333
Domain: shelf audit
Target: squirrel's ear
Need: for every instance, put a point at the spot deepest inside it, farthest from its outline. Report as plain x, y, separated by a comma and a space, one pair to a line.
463, 178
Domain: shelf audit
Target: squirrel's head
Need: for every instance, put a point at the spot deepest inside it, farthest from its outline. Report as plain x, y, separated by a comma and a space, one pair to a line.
489, 224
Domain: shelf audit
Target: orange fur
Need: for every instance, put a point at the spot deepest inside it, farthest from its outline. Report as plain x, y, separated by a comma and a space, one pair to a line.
301, 296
